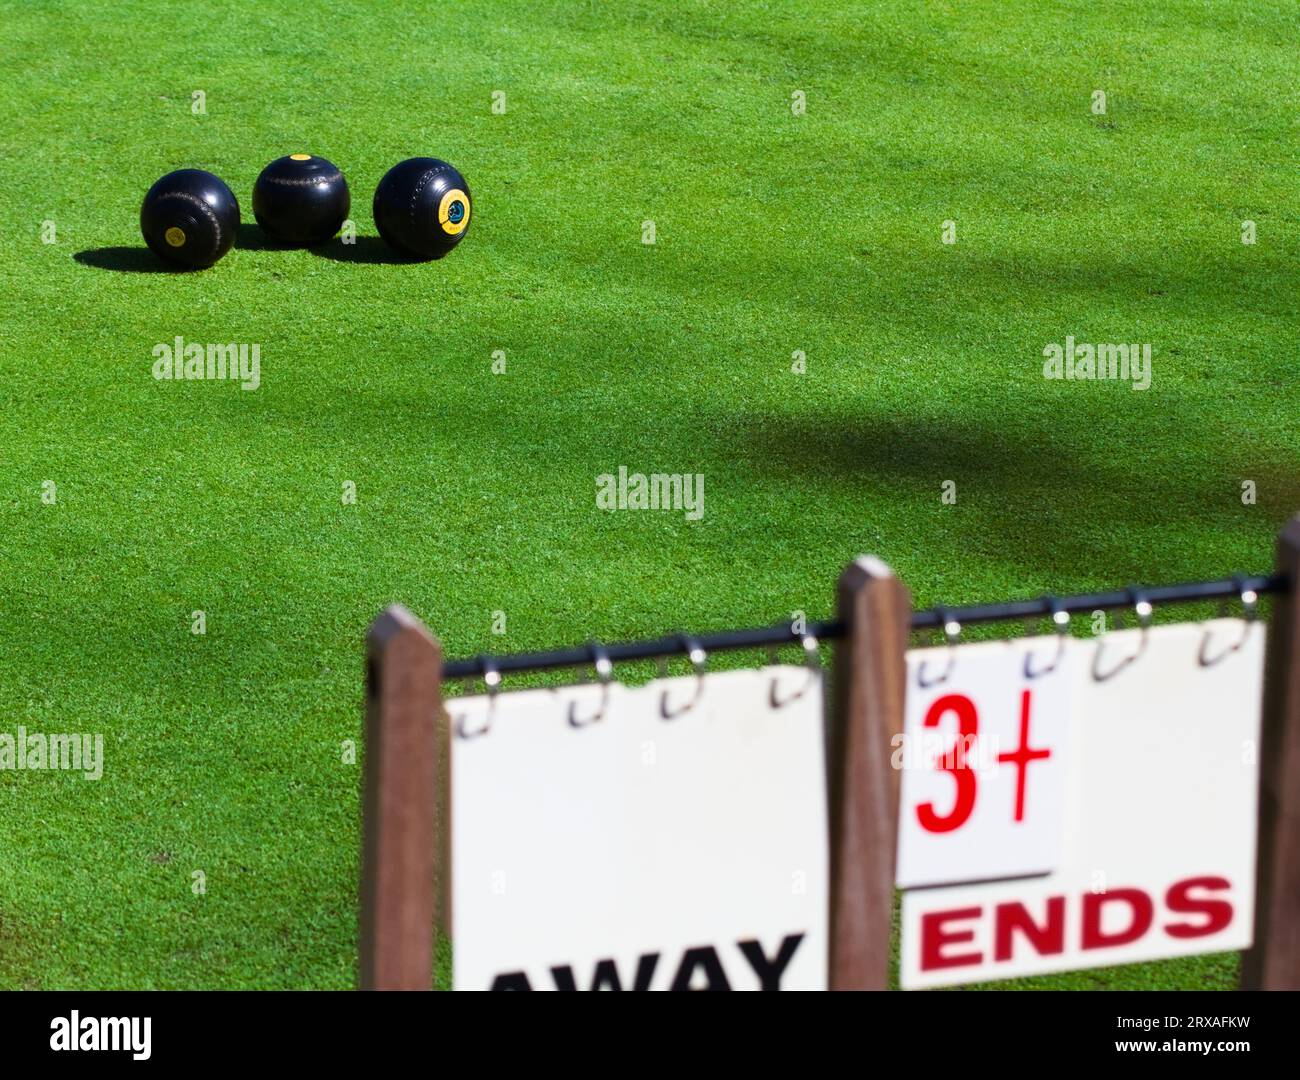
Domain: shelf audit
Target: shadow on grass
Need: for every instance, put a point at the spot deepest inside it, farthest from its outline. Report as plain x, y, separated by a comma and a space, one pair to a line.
252, 237
1040, 498
367, 249
127, 260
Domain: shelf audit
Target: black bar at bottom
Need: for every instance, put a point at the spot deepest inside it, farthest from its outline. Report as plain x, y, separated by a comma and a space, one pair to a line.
233, 1030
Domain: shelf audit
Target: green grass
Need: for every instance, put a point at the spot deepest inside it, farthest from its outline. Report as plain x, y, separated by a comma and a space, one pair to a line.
775, 233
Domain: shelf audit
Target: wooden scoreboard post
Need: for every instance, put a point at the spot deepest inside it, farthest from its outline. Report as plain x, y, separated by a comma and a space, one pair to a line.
400, 804
870, 679
1274, 961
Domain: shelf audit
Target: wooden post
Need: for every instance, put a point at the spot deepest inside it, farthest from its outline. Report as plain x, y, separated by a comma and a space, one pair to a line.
1274, 961
870, 680
399, 844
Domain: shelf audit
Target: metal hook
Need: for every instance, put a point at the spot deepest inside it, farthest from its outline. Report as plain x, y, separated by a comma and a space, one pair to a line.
491, 683
951, 633
1249, 613
1249, 600
812, 661
1061, 620
1142, 610
699, 660
604, 672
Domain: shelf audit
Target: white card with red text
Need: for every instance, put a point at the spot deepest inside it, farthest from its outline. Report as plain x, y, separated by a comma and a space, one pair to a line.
1161, 802
984, 758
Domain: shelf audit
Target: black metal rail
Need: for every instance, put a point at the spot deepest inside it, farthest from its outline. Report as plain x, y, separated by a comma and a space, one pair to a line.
933, 618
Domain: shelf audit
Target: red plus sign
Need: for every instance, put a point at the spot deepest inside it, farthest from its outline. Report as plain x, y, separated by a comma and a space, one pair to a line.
1023, 755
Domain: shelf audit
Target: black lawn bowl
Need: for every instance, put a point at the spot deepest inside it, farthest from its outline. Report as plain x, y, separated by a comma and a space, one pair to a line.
301, 199
422, 207
190, 218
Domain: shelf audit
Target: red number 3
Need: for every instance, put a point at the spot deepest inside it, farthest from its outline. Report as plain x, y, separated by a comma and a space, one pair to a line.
967, 727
